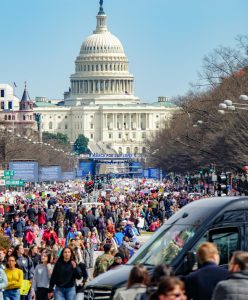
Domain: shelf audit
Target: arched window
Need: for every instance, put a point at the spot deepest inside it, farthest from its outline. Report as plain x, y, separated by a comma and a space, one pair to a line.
66, 126
50, 125
120, 150
13, 118
128, 150
136, 150
9, 117
6, 117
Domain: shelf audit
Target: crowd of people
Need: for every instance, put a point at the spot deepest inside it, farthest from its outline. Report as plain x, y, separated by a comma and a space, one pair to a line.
53, 230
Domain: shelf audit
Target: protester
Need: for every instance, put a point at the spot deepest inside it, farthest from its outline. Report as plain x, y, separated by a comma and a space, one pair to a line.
118, 261
201, 283
170, 288
103, 261
42, 275
236, 286
3, 282
137, 284
15, 280
64, 276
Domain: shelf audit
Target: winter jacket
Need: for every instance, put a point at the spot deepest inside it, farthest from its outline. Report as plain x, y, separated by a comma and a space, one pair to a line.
234, 288
200, 284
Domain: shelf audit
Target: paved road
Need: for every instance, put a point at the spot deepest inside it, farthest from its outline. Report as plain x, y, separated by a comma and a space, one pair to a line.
143, 238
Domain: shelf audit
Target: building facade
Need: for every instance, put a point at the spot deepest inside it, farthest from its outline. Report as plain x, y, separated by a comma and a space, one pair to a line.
16, 114
100, 103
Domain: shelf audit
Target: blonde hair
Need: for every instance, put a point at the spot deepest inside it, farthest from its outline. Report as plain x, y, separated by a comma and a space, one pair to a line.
206, 251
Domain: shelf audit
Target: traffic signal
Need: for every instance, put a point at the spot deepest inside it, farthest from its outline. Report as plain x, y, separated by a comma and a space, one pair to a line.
90, 185
222, 185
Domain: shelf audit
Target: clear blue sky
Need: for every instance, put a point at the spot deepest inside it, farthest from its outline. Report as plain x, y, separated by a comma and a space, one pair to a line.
165, 40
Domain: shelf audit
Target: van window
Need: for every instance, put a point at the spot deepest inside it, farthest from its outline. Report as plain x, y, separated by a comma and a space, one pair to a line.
231, 217
165, 246
227, 241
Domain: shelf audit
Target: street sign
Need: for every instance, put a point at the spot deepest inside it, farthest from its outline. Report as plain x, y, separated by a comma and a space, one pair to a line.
9, 173
7, 177
2, 182
12, 182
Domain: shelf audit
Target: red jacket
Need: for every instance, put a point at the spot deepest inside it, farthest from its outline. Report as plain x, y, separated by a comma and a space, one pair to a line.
41, 218
49, 235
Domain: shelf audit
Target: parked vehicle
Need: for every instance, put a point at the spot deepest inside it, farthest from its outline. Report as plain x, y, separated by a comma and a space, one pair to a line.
221, 220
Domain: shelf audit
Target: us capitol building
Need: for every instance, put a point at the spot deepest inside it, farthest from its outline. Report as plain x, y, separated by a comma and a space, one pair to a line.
100, 103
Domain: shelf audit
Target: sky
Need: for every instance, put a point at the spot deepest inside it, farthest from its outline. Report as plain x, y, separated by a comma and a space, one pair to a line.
164, 40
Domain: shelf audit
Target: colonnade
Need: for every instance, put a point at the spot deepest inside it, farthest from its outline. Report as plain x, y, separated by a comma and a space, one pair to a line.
126, 121
114, 86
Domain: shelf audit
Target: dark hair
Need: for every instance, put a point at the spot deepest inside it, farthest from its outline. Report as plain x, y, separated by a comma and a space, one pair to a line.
241, 259
61, 257
107, 247
11, 255
14, 253
31, 248
160, 271
166, 285
138, 274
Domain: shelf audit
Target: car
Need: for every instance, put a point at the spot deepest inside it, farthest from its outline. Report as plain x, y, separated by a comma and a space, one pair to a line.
221, 220
194, 195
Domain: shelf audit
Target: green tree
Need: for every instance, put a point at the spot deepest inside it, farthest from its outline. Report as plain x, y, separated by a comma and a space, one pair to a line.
61, 138
81, 144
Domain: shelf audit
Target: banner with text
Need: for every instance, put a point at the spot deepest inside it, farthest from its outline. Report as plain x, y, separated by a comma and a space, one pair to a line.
24, 170
51, 173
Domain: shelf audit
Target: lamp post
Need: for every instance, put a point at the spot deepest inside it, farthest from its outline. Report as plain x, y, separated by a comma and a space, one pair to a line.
37, 117
229, 105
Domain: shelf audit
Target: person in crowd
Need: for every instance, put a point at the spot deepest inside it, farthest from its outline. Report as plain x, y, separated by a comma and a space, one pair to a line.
3, 282
65, 285
18, 227
50, 213
200, 284
169, 288
71, 234
88, 253
236, 286
137, 284
2, 258
103, 261
94, 240
118, 237
25, 264
49, 235
61, 231
80, 283
118, 261
100, 224
41, 279
15, 279
158, 272
34, 255
31, 212
7, 230
41, 217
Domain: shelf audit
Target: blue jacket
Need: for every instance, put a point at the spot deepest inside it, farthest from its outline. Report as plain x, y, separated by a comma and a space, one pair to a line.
119, 238
200, 284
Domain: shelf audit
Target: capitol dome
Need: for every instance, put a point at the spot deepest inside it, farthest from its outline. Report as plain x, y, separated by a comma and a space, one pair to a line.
103, 42
101, 69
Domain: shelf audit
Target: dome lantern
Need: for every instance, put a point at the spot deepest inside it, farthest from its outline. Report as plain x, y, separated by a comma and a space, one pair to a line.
101, 20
